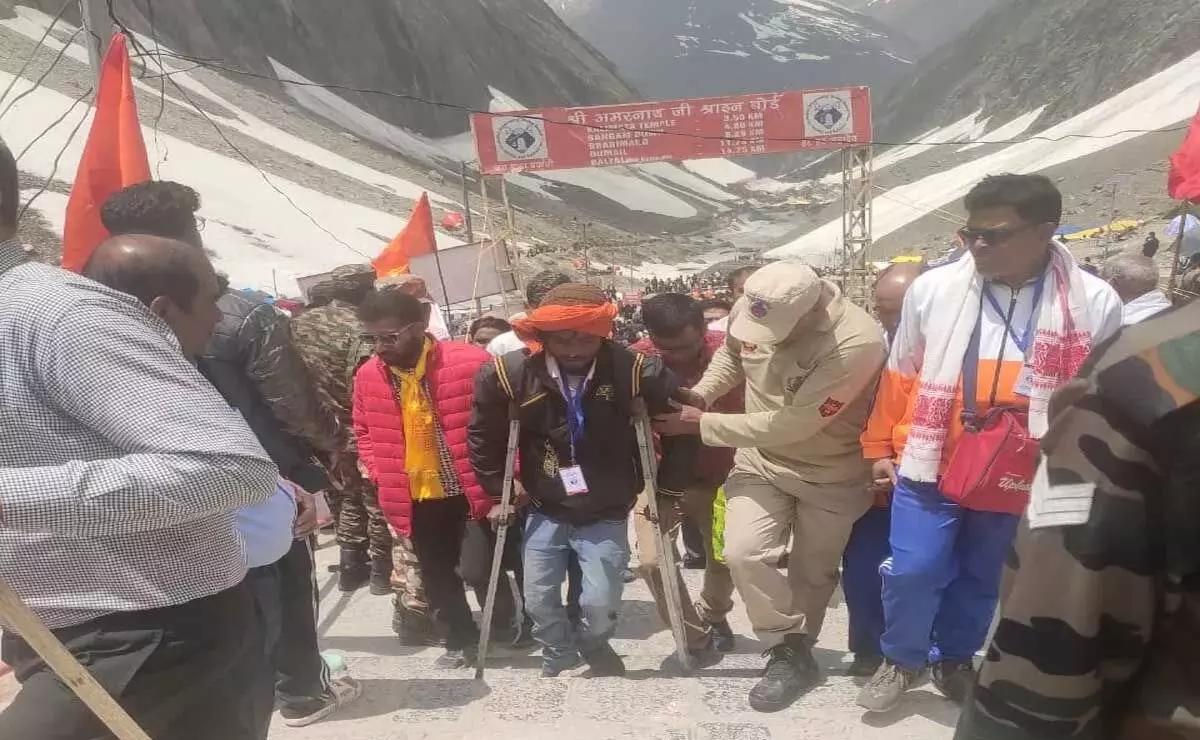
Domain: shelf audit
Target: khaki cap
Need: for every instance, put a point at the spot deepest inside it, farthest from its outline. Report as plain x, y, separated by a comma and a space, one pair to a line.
777, 297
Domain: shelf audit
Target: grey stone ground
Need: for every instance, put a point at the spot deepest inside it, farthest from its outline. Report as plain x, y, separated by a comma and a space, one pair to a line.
406, 698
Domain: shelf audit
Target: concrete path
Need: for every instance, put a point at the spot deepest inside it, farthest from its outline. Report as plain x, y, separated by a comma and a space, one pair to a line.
406, 698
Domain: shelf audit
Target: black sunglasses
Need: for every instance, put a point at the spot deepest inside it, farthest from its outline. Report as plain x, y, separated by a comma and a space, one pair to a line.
991, 237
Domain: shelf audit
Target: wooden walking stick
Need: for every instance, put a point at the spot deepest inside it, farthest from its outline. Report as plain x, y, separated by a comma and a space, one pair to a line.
22, 619
489, 607
666, 548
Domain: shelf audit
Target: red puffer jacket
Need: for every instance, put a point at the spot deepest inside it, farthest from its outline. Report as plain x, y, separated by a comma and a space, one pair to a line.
450, 372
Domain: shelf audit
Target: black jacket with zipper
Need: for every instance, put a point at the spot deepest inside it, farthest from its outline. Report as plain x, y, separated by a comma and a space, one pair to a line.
608, 451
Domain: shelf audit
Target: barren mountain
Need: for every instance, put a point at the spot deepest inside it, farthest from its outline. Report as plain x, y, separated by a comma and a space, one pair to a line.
678, 48
1066, 55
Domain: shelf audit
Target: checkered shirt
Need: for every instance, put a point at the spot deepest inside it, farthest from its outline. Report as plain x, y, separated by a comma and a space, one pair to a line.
451, 483
12, 253
120, 465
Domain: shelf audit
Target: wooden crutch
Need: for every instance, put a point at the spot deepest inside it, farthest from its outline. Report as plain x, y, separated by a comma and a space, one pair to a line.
489, 606
21, 618
666, 548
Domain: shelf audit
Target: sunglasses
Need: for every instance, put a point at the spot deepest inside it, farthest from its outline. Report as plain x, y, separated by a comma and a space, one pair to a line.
992, 237
393, 338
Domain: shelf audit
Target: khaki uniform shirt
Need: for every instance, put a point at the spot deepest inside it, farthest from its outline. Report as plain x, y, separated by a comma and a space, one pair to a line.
806, 399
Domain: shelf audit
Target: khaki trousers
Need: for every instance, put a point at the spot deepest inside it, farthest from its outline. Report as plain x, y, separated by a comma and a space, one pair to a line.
716, 596
758, 516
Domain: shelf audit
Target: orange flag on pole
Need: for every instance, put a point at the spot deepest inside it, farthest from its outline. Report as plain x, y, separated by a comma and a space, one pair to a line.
415, 239
1183, 177
113, 158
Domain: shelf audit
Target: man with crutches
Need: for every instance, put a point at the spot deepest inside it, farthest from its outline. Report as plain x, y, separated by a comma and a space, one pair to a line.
577, 447
678, 333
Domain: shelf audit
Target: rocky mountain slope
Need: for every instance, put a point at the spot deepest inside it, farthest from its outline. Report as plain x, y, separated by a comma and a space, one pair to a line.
431, 49
1066, 55
929, 23
680, 48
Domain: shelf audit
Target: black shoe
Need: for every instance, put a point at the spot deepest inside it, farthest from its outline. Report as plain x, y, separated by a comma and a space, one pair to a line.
604, 661
724, 641
864, 665
459, 658
381, 576
628, 576
791, 670
955, 679
889, 683
354, 572
414, 630
699, 563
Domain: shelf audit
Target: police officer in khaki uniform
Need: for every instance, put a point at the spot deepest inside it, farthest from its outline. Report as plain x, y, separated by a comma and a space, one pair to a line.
809, 359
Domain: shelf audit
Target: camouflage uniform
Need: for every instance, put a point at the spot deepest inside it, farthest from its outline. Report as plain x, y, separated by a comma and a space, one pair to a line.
1099, 636
328, 339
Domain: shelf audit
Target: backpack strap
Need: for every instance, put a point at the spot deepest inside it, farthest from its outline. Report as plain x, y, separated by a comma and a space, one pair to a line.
510, 372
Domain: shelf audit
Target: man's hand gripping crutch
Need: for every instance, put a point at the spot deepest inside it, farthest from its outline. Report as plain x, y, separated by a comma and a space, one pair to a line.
666, 548
505, 516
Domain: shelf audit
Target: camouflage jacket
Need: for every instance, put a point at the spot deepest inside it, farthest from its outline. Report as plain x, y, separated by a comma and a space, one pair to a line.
1100, 631
328, 340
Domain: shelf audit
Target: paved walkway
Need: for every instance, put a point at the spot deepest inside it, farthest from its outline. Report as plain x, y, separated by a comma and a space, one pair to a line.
405, 698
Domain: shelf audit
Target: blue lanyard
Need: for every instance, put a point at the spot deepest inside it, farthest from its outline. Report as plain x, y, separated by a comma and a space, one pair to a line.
1022, 341
574, 413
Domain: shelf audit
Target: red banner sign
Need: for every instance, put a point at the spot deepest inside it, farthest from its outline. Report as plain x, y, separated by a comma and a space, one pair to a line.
734, 126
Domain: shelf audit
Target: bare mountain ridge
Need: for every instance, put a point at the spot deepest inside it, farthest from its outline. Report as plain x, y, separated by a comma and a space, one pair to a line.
683, 48
1067, 55
442, 50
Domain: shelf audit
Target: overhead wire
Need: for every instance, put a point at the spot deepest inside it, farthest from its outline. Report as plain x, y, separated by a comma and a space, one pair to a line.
58, 157
137, 45
681, 134
162, 92
37, 48
38, 82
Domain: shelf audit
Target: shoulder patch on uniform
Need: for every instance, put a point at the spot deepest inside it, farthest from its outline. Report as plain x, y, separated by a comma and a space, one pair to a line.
1061, 505
830, 407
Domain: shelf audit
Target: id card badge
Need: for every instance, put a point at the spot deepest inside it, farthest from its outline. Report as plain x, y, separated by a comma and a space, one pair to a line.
1024, 384
573, 480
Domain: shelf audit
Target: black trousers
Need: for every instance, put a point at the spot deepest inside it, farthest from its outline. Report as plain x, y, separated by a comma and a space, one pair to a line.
170, 668
300, 673
475, 567
452, 550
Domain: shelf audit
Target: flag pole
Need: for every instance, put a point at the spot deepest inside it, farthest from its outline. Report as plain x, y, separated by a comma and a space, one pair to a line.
1184, 212
437, 261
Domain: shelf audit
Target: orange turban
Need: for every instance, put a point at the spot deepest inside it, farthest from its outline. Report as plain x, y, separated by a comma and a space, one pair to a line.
570, 307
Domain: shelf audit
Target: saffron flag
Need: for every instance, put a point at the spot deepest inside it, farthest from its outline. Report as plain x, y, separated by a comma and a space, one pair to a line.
1183, 178
114, 157
415, 239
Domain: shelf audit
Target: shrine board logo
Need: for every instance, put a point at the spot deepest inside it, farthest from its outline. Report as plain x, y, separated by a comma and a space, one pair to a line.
520, 138
828, 114
830, 407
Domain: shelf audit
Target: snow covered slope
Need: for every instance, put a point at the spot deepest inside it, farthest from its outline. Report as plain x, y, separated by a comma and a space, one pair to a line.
681, 48
1164, 100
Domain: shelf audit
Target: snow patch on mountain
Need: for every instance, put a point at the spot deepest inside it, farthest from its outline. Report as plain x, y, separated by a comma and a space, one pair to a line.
1164, 100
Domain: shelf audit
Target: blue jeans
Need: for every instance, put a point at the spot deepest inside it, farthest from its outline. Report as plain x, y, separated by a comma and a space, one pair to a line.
603, 552
942, 582
861, 582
